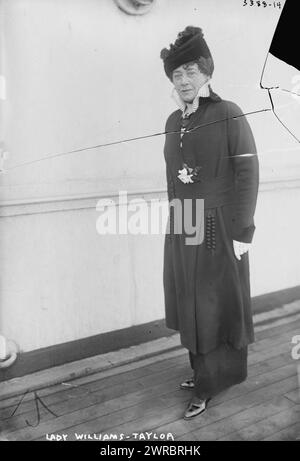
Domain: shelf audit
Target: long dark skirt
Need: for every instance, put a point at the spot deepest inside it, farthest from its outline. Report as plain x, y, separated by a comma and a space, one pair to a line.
218, 370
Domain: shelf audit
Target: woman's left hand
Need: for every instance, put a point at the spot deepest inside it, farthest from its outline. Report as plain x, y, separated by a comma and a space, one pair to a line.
240, 248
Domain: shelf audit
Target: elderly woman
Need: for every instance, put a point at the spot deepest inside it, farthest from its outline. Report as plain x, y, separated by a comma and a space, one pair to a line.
210, 154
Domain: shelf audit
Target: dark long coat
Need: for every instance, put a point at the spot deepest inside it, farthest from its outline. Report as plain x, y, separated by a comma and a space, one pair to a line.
206, 288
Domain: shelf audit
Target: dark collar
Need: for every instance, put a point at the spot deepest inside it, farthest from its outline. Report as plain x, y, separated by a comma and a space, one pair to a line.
214, 97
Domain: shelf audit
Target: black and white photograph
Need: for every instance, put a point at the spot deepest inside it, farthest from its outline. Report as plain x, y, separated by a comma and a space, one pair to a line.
149, 223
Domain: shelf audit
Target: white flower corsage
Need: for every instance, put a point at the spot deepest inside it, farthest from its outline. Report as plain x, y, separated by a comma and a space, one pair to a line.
187, 175
184, 176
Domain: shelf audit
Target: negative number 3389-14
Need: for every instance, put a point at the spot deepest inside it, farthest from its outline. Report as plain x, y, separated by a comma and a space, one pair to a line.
262, 3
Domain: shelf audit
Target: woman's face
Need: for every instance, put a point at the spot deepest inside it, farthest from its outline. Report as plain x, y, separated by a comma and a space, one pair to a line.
187, 80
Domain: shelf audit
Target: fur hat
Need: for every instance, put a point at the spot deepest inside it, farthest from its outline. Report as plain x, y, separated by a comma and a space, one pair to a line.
189, 46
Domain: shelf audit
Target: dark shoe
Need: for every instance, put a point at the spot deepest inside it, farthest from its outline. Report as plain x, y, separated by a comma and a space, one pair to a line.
195, 409
188, 384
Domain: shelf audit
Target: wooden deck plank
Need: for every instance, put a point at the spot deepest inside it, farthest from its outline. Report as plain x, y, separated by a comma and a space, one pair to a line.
160, 377
129, 403
220, 411
189, 437
277, 330
265, 427
84, 401
157, 362
136, 397
294, 396
133, 371
172, 421
73, 390
266, 349
69, 391
290, 433
158, 413
145, 366
71, 401
243, 419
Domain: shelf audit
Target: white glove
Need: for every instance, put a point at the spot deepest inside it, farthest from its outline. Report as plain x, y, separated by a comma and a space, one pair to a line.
240, 248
